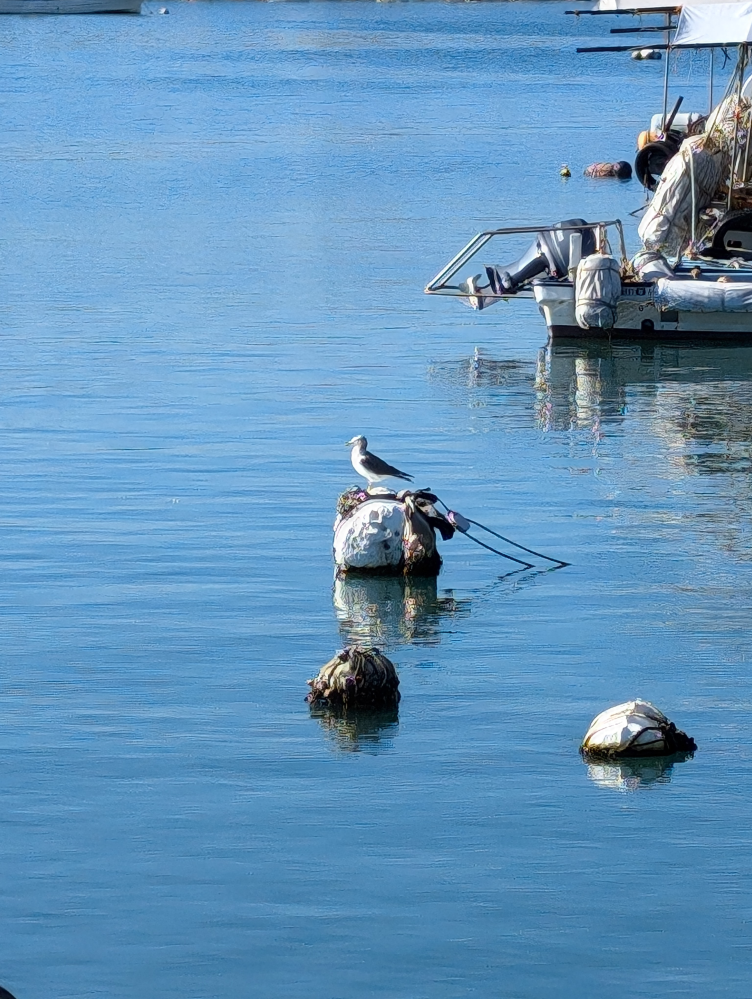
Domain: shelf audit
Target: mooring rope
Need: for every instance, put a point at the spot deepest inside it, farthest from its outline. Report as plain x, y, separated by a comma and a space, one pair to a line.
463, 523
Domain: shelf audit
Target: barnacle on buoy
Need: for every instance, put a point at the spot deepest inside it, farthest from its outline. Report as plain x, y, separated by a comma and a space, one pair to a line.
356, 676
635, 728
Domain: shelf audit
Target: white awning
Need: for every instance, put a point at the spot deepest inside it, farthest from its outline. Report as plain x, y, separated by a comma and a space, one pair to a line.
632, 6
721, 24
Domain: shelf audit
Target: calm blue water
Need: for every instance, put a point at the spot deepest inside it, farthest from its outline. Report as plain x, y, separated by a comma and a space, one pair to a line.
216, 226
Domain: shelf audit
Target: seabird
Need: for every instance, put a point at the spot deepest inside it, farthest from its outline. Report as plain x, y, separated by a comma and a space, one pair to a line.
369, 466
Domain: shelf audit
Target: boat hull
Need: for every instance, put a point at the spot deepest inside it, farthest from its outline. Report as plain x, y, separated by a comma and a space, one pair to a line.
638, 316
70, 6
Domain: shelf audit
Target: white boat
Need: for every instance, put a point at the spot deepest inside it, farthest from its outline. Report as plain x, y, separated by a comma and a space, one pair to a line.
694, 273
70, 6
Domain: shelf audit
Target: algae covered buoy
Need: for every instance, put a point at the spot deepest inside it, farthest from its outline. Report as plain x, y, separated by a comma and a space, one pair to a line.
356, 676
565, 171
619, 169
635, 728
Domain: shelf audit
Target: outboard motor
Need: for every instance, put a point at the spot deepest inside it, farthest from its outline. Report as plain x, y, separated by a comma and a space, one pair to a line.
731, 237
548, 254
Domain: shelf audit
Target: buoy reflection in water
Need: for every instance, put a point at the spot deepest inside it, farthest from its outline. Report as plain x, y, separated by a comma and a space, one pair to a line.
382, 610
358, 730
633, 775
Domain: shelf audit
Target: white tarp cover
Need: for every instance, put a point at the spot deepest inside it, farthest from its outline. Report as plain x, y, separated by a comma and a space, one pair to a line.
666, 224
721, 24
703, 296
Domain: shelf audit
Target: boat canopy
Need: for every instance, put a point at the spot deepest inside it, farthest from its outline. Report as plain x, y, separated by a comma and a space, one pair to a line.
648, 6
721, 24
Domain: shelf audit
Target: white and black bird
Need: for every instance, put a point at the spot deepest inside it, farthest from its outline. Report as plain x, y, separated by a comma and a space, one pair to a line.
371, 467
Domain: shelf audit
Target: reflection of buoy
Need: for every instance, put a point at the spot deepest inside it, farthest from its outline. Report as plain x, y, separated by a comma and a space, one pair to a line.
631, 775
385, 610
565, 171
641, 54
635, 728
356, 676
362, 730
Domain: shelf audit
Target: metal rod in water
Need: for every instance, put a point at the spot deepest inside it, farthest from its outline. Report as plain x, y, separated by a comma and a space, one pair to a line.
746, 144
693, 244
742, 57
665, 72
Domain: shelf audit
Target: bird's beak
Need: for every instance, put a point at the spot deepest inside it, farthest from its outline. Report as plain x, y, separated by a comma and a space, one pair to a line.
348, 443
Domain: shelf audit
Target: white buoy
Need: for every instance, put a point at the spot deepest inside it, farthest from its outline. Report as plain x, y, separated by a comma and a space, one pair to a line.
635, 728
388, 533
371, 536
647, 54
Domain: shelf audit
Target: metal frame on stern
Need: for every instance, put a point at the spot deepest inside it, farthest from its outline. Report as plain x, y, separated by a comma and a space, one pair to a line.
439, 285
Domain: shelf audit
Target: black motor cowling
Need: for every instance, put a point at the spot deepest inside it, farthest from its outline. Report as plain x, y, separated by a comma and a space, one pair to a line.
731, 237
547, 254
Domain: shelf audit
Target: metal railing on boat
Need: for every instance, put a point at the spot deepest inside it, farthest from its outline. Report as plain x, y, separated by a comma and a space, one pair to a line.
439, 285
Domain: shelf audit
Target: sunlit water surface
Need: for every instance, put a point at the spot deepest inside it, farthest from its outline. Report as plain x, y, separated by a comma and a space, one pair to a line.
216, 228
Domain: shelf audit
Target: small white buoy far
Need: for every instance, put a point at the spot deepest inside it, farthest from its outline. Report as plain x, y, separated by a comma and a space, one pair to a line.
635, 728
646, 54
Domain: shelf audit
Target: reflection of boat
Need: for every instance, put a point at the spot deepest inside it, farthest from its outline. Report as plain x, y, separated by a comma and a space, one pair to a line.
358, 731
70, 6
481, 371
694, 274
387, 610
631, 775
701, 393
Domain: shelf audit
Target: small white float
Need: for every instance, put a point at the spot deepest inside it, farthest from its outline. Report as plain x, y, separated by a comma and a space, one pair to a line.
635, 728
